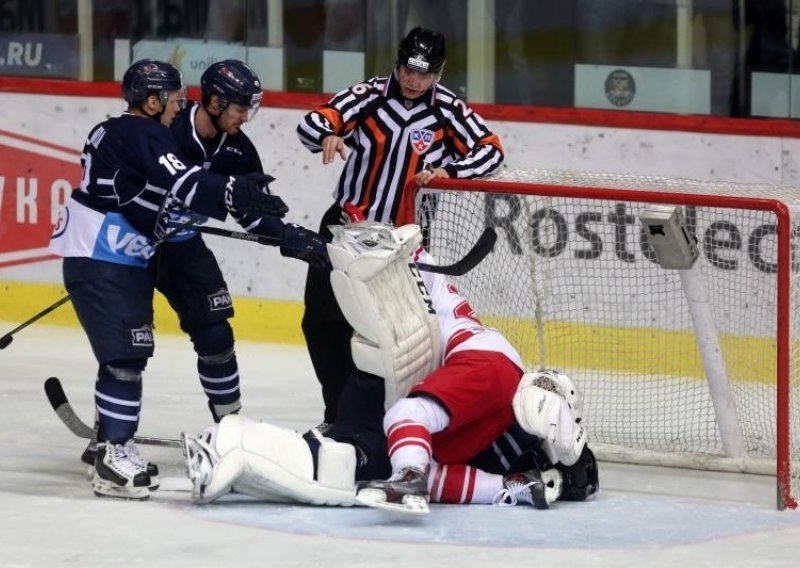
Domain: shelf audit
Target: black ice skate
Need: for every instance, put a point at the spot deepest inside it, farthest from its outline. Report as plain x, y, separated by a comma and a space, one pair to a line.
404, 492
89, 454
530, 487
116, 474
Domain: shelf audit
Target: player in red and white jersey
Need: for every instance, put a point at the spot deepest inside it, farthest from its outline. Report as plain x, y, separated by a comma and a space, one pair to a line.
452, 385
477, 379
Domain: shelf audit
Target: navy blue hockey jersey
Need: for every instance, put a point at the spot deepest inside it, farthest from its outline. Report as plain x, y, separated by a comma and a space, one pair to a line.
131, 165
132, 172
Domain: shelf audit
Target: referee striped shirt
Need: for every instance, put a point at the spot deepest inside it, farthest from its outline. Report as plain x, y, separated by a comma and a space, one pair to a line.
392, 138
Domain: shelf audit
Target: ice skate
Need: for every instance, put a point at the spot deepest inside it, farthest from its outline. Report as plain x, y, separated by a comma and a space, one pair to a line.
530, 488
141, 462
89, 454
404, 492
116, 474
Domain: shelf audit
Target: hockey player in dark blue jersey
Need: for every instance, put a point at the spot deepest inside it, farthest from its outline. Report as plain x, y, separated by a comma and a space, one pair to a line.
133, 173
209, 134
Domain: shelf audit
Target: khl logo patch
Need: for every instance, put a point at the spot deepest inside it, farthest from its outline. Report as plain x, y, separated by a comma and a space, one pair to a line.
421, 140
220, 301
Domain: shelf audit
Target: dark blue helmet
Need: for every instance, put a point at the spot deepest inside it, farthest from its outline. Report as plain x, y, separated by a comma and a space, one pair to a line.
150, 77
423, 51
233, 82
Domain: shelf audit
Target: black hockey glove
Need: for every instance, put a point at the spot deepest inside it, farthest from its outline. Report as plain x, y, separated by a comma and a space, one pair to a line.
306, 245
249, 193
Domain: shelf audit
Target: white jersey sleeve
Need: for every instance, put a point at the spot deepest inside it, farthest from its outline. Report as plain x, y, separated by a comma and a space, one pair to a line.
459, 327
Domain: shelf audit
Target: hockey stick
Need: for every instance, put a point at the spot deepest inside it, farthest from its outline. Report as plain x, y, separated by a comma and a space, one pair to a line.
58, 400
6, 340
240, 235
481, 248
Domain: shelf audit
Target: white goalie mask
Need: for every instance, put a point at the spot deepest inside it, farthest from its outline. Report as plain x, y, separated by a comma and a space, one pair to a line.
559, 383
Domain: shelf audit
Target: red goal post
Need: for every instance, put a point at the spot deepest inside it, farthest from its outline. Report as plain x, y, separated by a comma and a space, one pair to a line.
693, 367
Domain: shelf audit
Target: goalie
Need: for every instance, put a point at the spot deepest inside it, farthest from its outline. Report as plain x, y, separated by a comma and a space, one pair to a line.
463, 425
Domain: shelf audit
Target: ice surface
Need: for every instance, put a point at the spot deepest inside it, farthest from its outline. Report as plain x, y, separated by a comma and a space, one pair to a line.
643, 516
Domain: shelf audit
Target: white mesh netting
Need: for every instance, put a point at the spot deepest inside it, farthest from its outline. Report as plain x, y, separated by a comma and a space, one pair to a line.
575, 285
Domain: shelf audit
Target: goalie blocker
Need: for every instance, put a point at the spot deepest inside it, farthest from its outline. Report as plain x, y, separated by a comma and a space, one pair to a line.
382, 295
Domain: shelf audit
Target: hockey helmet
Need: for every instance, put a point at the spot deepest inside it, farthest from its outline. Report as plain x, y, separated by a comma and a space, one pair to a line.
233, 82
150, 77
422, 50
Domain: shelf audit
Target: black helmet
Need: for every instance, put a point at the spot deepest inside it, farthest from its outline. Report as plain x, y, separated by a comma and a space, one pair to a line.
147, 77
233, 82
422, 50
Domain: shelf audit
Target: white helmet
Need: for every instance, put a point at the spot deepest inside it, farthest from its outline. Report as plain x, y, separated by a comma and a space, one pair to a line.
559, 383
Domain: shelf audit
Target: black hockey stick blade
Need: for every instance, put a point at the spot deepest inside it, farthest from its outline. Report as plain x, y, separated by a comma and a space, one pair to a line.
58, 400
482, 247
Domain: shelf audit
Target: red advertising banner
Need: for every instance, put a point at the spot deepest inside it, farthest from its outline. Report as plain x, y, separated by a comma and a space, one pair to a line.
36, 178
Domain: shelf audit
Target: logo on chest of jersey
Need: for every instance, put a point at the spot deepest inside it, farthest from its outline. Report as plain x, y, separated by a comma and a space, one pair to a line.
234, 150
421, 140
219, 301
142, 336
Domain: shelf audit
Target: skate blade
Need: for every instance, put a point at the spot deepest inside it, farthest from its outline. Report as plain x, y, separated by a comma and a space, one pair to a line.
107, 489
153, 478
411, 504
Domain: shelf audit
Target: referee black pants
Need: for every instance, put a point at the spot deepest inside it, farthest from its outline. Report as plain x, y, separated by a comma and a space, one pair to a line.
326, 330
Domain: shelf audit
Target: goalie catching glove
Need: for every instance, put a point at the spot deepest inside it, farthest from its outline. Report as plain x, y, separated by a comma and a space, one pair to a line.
249, 193
548, 405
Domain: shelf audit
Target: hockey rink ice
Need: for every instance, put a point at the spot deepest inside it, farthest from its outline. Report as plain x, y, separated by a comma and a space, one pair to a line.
643, 516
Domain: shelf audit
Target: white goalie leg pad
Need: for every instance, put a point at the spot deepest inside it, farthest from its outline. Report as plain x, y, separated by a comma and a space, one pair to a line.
279, 468
214, 460
336, 465
548, 416
383, 296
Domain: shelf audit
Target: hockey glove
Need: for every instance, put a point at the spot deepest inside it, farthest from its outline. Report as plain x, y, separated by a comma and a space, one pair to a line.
306, 245
249, 193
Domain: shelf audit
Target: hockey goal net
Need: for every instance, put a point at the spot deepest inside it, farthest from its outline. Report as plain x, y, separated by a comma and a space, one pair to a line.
695, 366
